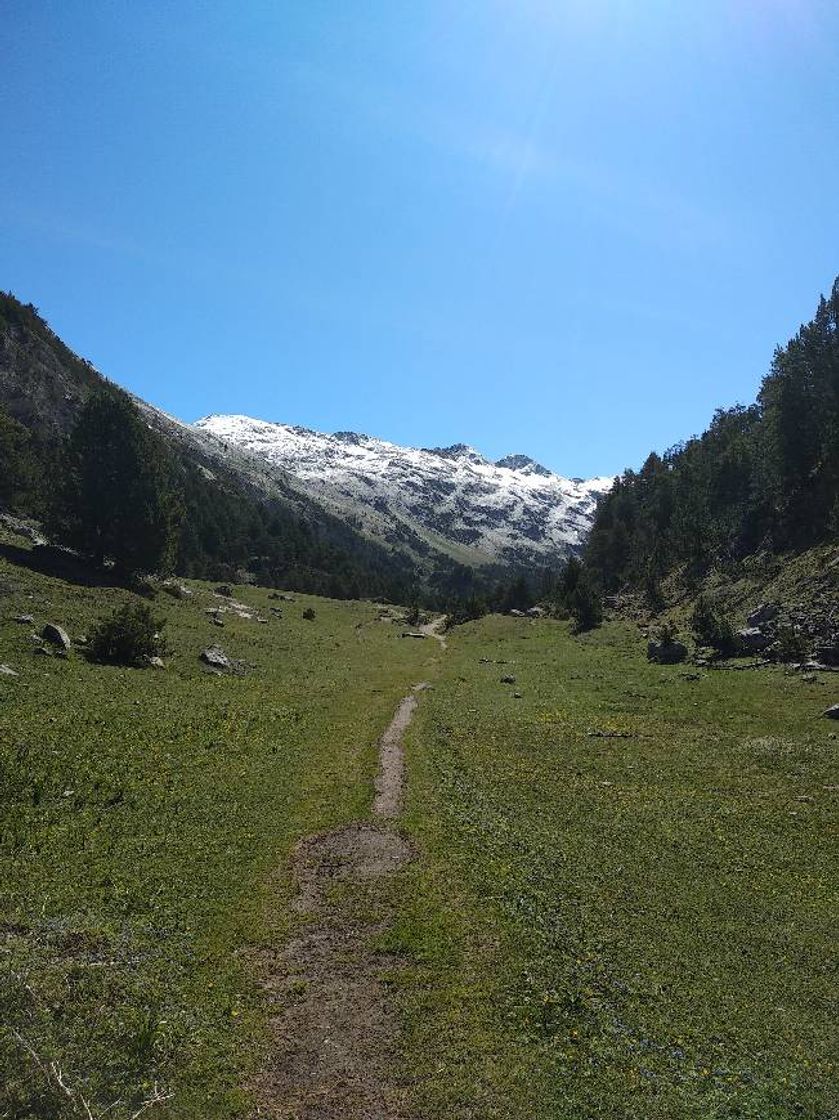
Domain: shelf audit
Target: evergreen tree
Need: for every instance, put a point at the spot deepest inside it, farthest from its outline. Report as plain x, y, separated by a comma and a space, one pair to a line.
18, 465
118, 499
585, 604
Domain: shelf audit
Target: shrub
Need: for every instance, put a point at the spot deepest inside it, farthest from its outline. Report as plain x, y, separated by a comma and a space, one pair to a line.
585, 603
309, 614
666, 633
130, 636
791, 644
712, 629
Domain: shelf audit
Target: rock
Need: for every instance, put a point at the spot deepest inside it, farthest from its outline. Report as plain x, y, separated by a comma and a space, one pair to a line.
516, 614
216, 658
6, 671
217, 620
26, 619
766, 612
535, 612
412, 634
827, 652
156, 662
508, 680
57, 635
832, 712
224, 590
176, 590
42, 651
517, 696
262, 621
666, 653
752, 639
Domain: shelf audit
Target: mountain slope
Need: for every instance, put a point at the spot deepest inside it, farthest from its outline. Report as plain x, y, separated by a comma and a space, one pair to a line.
513, 512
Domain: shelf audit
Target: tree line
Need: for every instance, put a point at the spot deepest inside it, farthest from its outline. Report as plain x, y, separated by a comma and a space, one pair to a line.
762, 477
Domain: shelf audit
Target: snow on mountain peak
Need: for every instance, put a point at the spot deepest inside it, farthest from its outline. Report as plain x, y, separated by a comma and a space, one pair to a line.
449, 498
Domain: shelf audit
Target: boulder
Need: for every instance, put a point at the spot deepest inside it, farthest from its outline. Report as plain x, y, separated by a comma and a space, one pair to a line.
412, 634
57, 635
216, 658
666, 653
762, 614
827, 651
224, 590
6, 671
832, 712
516, 614
536, 612
752, 639
156, 662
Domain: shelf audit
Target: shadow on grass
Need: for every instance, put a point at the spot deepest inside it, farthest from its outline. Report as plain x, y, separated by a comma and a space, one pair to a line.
48, 560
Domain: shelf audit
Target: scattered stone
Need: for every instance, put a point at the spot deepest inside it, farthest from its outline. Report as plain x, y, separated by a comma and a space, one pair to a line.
516, 614
262, 621
156, 662
691, 676
81, 640
216, 658
832, 712
43, 651
766, 612
217, 620
412, 634
535, 612
224, 590
752, 639
508, 680
7, 671
57, 635
176, 590
517, 696
666, 653
25, 619
276, 611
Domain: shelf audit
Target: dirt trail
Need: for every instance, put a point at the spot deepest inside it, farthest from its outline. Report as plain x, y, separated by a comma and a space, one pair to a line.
332, 1029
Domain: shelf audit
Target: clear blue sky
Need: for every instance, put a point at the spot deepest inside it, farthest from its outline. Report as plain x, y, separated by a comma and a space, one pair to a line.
569, 228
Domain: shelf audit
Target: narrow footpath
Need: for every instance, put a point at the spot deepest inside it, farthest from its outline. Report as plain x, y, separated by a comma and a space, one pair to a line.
332, 1027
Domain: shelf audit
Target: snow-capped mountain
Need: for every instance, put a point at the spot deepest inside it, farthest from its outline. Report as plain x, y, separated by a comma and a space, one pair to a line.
448, 499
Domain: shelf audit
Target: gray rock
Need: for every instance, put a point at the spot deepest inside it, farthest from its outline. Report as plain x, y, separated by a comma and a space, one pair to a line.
176, 590
216, 658
156, 662
27, 619
752, 639
7, 671
832, 712
535, 612
508, 680
412, 634
57, 635
762, 614
666, 653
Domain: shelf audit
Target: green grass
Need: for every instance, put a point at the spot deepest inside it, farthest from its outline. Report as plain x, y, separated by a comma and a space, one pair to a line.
635, 925
145, 823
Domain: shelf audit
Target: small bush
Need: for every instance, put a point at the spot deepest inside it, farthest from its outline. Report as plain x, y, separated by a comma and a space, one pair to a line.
667, 633
309, 614
130, 636
586, 604
791, 644
712, 629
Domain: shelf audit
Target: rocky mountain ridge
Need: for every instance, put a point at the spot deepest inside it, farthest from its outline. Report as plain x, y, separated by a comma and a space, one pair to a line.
512, 512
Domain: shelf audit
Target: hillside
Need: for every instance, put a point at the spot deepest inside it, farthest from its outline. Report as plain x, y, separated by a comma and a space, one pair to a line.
513, 512
758, 488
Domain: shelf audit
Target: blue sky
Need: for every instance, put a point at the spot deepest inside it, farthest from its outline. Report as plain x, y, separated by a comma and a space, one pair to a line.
570, 228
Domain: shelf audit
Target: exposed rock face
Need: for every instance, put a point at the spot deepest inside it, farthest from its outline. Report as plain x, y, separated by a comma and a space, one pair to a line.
766, 612
832, 712
511, 511
666, 653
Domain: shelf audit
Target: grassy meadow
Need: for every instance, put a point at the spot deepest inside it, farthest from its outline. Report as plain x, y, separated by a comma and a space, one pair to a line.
146, 817
627, 900
623, 902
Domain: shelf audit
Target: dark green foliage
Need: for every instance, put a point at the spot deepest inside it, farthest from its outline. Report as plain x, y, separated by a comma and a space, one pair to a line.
585, 603
309, 614
790, 644
19, 474
129, 636
766, 476
117, 499
712, 629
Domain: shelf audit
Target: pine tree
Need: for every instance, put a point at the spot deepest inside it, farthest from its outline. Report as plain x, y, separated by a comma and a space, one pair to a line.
118, 500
